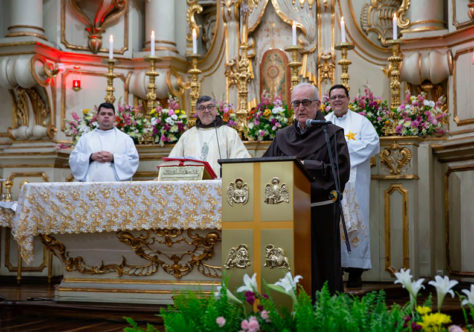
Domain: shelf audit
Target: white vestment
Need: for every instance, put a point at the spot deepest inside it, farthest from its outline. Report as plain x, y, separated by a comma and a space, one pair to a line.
202, 144
363, 143
122, 168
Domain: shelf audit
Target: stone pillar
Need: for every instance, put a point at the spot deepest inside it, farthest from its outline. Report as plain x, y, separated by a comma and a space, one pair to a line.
425, 15
160, 17
26, 19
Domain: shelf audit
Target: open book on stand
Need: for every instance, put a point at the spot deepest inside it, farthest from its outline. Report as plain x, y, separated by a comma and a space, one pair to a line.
182, 168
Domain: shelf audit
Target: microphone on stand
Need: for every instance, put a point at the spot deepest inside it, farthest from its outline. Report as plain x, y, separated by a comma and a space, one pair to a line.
311, 123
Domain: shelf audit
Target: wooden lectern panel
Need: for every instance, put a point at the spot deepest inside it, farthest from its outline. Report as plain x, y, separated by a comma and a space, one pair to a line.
270, 233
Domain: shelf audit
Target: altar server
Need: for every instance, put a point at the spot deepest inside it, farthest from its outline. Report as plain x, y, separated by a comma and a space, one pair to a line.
210, 139
104, 154
363, 143
309, 145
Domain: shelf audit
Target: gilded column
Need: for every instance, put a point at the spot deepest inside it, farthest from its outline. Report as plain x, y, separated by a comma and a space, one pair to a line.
26, 19
160, 17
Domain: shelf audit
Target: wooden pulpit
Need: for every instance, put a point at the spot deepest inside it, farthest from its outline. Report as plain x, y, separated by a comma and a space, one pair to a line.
266, 220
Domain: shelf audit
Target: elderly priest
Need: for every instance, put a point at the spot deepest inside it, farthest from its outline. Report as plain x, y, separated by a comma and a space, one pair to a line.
308, 144
210, 139
106, 153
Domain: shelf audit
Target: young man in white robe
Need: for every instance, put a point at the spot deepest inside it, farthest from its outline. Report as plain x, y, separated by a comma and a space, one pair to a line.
210, 139
105, 154
363, 143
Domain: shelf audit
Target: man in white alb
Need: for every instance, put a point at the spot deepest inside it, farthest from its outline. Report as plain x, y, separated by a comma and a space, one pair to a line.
104, 154
363, 143
210, 139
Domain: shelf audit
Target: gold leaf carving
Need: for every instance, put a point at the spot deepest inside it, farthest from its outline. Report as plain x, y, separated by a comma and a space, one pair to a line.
326, 66
276, 193
237, 192
395, 158
238, 257
193, 8
275, 257
377, 16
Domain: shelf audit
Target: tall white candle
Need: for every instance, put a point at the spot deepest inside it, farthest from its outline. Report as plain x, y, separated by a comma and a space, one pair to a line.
343, 30
394, 27
111, 47
293, 33
152, 43
195, 46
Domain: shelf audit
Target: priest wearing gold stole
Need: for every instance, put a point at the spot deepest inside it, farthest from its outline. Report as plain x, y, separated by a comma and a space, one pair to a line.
363, 143
210, 139
106, 153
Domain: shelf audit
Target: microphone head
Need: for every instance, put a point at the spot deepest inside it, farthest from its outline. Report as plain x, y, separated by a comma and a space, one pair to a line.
308, 123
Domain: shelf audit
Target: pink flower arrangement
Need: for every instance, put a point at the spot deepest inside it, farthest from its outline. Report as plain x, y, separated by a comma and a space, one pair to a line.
227, 113
220, 321
419, 116
132, 121
269, 116
168, 124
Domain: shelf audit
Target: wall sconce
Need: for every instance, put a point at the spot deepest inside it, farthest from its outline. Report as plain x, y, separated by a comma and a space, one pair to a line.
76, 85
76, 82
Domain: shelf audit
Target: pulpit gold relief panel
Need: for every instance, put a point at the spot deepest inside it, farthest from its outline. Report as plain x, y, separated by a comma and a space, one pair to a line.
238, 257
276, 197
275, 257
237, 203
396, 159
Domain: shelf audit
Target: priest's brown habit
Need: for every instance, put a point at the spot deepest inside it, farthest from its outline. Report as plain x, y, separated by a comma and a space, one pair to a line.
310, 147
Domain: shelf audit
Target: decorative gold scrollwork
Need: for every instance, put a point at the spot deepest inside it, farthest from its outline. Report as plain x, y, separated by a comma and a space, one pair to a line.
403, 21
238, 257
276, 193
193, 8
376, 17
326, 66
310, 3
395, 157
151, 246
238, 192
276, 257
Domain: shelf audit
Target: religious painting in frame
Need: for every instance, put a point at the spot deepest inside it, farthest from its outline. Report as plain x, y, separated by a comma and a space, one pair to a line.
275, 74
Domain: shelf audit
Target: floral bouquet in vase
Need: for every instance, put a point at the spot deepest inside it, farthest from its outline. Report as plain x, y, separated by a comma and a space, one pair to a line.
227, 113
78, 126
419, 116
269, 116
168, 124
132, 122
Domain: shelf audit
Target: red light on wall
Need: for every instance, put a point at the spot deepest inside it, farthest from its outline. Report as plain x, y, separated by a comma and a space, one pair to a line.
76, 85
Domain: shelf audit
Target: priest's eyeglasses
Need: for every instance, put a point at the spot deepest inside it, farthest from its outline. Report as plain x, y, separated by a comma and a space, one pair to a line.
209, 107
337, 97
304, 102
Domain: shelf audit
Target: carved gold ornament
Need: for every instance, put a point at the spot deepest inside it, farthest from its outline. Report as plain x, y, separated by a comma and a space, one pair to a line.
152, 246
106, 13
376, 17
275, 258
237, 192
276, 193
238, 257
193, 8
302, 2
395, 157
326, 66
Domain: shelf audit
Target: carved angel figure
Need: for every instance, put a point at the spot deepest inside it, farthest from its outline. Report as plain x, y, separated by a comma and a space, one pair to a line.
238, 257
238, 193
276, 193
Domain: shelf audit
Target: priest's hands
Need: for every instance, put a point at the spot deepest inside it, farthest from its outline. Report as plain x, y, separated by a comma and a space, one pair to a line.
102, 156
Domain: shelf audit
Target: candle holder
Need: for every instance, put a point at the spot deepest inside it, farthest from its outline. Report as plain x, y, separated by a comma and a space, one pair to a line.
109, 91
152, 74
294, 64
394, 72
194, 86
344, 62
7, 196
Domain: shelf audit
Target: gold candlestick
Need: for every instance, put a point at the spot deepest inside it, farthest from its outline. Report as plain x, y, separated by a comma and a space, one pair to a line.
152, 74
109, 91
194, 86
243, 77
394, 71
344, 62
7, 196
294, 64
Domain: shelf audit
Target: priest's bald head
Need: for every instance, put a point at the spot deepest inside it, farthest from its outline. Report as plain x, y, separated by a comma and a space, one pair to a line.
305, 102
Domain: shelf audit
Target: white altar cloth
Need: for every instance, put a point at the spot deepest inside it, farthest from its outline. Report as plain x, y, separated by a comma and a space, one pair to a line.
80, 207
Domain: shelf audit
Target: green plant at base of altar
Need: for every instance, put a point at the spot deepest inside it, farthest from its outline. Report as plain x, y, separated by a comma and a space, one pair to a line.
168, 124
132, 122
249, 310
373, 108
267, 118
227, 113
419, 116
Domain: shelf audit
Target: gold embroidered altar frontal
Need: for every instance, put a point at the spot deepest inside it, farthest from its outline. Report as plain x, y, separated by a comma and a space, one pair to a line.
67, 208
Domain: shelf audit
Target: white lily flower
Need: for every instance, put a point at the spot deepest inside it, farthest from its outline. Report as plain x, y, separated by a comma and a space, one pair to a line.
443, 286
470, 296
250, 284
403, 277
230, 296
415, 288
288, 283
